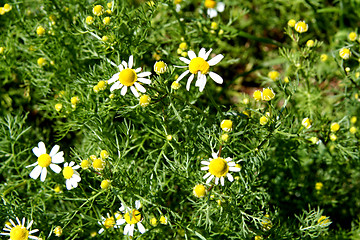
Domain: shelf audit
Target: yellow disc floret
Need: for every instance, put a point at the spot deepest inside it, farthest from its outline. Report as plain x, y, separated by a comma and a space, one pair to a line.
257, 95
144, 100
134, 218
40, 30
301, 27
210, 4
127, 77
98, 10
226, 125
334, 127
19, 233
268, 94
85, 164
98, 164
291, 23
352, 36
109, 222
105, 184
44, 160
68, 172
199, 64
218, 167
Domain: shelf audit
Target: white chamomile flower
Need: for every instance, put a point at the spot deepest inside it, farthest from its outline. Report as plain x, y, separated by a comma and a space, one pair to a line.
214, 7
132, 217
110, 222
218, 168
128, 77
199, 65
19, 231
45, 160
72, 177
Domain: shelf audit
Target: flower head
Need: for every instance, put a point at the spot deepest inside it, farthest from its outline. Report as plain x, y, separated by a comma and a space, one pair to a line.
19, 231
226, 125
214, 7
58, 107
105, 184
268, 94
132, 217
89, 20
352, 36
319, 186
58, 231
201, 67
310, 43
323, 220
199, 191
128, 77
40, 30
257, 95
291, 23
334, 127
219, 168
345, 53
306, 122
41, 62
71, 175
324, 57
160, 67
98, 10
45, 160
98, 164
273, 75
301, 27
144, 100
110, 222
264, 120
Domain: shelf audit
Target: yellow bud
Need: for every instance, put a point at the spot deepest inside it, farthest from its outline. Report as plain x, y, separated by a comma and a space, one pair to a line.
291, 23
89, 20
105, 184
58, 107
106, 20
40, 30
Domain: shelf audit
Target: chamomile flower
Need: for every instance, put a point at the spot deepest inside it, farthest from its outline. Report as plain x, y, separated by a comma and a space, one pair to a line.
218, 168
213, 8
199, 65
110, 222
128, 77
132, 217
19, 231
45, 160
72, 177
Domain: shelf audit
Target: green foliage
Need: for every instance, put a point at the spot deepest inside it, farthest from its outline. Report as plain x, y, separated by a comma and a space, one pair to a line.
293, 175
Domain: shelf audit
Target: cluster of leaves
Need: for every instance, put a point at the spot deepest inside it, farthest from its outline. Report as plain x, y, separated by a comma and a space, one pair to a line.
155, 152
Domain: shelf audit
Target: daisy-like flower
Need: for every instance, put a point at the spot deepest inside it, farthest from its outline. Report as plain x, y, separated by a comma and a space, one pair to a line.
45, 160
132, 217
19, 231
218, 168
301, 27
214, 7
72, 177
128, 77
110, 222
199, 65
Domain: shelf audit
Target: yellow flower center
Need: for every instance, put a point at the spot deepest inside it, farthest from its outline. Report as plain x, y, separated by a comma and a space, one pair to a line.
198, 64
98, 10
19, 233
109, 222
98, 164
210, 3
68, 172
199, 191
44, 160
218, 167
134, 218
127, 77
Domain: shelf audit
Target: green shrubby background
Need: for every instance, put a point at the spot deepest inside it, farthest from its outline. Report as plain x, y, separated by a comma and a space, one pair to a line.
274, 194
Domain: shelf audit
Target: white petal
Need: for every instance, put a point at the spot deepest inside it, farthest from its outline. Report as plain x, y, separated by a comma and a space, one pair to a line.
202, 83
207, 54
131, 61
137, 204
66, 164
144, 74
231, 164
76, 167
220, 6
141, 227
33, 231
215, 60
76, 177
32, 165
140, 87
35, 173
230, 177
216, 77
121, 67
205, 163
114, 78
124, 64
185, 60
144, 80
222, 181
228, 159
54, 150
43, 174
37, 151
71, 163
73, 183
12, 222
212, 13
206, 175
191, 54
122, 208
121, 221
126, 229
58, 158
115, 86
23, 221
204, 168
68, 184
214, 155
216, 181
234, 169
131, 230
138, 69
210, 178
42, 147
182, 75
123, 90
29, 224
55, 168
189, 81
101, 230
202, 53
134, 91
